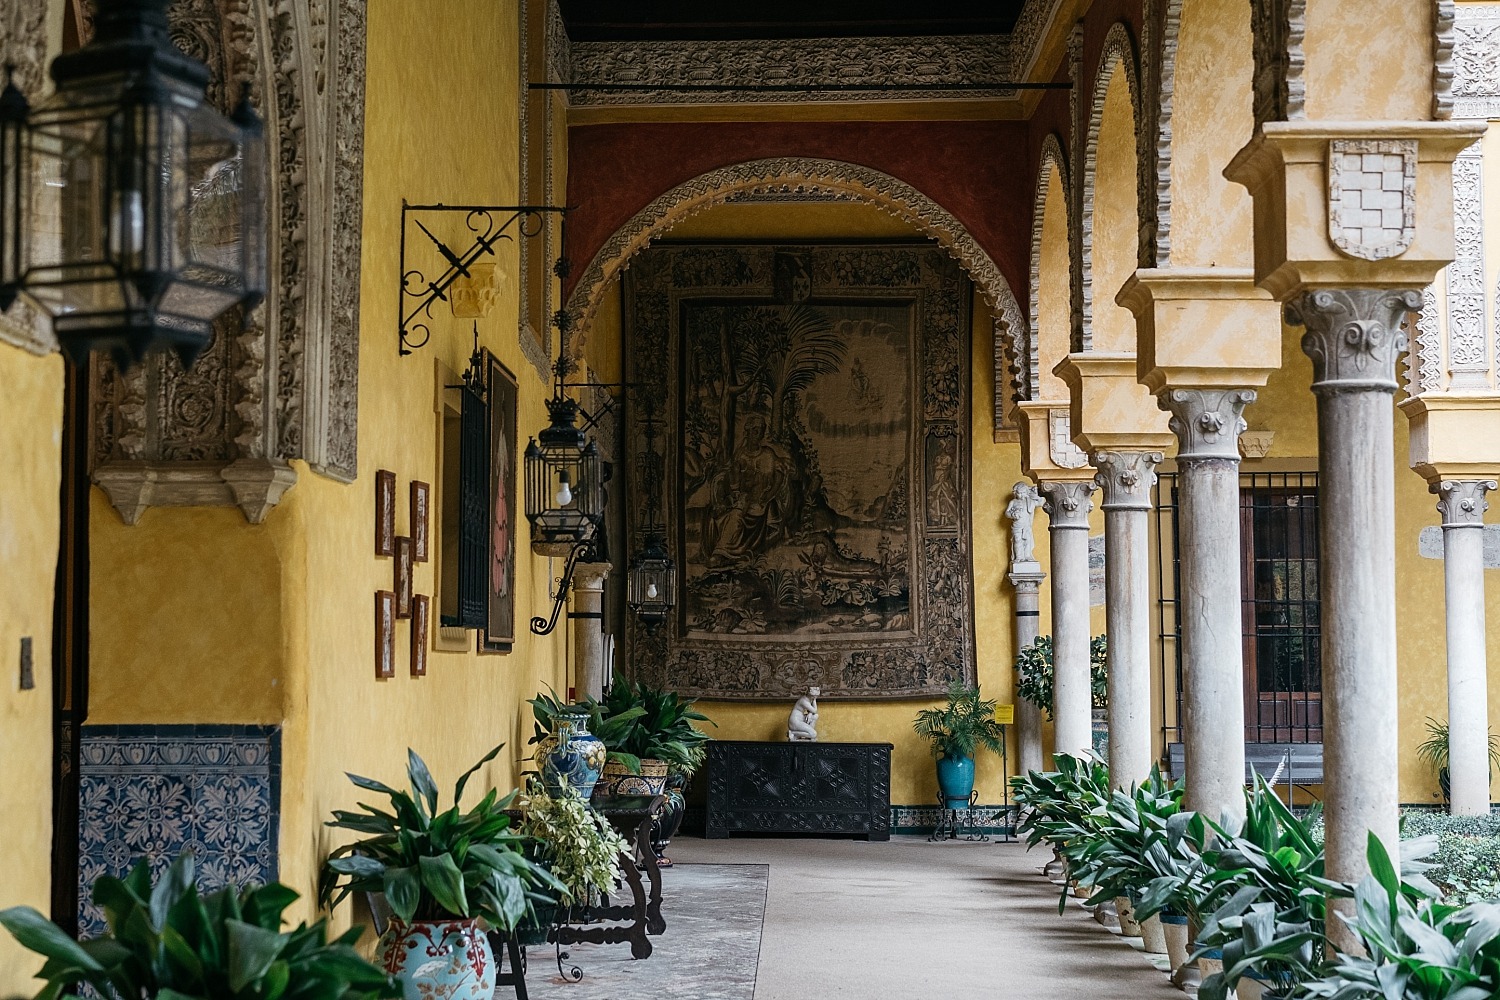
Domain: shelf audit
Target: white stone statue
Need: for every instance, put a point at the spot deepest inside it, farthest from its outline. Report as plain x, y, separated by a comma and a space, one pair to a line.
802, 725
1021, 510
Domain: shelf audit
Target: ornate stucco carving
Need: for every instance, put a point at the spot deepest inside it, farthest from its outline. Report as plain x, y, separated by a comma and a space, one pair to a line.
1075, 172
1425, 363
1126, 477
797, 176
1277, 28
1476, 61
1468, 348
1060, 447
1117, 55
283, 382
1443, 38
1068, 503
1027, 359
1208, 422
1354, 335
1462, 502
1372, 196
1165, 81
23, 44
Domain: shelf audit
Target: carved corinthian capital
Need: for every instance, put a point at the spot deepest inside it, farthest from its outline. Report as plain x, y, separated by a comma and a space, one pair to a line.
1068, 503
1353, 335
1207, 422
1462, 502
1126, 478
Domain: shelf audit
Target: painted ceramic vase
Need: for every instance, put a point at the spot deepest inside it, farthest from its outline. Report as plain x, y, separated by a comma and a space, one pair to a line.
439, 959
955, 781
617, 781
570, 757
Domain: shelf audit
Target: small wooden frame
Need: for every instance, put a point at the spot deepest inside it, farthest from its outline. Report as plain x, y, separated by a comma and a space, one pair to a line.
385, 634
385, 512
421, 501
420, 610
402, 582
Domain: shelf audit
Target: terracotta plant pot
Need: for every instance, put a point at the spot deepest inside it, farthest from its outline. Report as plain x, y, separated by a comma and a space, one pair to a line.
439, 959
1152, 936
617, 781
1126, 912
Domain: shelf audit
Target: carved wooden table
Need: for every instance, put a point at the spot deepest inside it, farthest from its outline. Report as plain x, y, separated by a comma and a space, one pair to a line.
811, 788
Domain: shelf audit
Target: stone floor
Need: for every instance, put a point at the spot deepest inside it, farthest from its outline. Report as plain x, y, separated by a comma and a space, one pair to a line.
861, 921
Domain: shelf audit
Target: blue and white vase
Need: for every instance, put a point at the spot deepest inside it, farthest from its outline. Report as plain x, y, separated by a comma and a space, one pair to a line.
570, 757
439, 959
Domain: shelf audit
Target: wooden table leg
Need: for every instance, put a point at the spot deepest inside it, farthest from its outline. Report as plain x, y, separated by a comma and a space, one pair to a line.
655, 923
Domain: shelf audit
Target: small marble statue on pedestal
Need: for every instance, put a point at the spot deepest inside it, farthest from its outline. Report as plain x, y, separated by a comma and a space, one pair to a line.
802, 725
1020, 511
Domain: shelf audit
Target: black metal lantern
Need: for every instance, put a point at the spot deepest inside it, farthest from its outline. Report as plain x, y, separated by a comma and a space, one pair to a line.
564, 483
653, 582
133, 211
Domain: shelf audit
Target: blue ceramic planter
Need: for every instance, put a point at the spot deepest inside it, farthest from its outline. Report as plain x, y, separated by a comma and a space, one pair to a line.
570, 757
955, 780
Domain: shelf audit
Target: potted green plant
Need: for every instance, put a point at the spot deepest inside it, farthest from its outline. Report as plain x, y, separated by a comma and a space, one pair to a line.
955, 733
1434, 751
648, 744
170, 942
442, 871
576, 844
1035, 680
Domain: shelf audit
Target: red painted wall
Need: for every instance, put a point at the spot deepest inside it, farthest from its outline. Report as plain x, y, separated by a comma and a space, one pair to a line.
981, 172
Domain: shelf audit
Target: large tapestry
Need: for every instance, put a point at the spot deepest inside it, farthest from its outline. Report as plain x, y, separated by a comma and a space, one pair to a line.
811, 405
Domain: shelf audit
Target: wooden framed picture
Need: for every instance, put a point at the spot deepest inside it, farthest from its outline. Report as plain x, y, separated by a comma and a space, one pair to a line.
385, 634
385, 512
402, 583
421, 501
420, 611
499, 632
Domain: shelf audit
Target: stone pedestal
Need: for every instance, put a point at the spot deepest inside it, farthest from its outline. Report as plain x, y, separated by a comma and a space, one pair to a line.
1068, 505
587, 617
1027, 579
1462, 505
1126, 479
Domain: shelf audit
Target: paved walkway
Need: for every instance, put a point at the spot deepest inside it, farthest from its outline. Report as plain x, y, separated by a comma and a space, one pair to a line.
904, 919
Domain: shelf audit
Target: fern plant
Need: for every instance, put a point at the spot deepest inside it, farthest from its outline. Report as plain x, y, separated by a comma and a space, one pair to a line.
966, 724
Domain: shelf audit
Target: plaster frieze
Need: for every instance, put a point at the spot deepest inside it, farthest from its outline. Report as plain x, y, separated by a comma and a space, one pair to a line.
1277, 30
1075, 191
1468, 354
1068, 503
1163, 83
1462, 502
1475, 47
1126, 477
1444, 37
1354, 335
1425, 362
1207, 422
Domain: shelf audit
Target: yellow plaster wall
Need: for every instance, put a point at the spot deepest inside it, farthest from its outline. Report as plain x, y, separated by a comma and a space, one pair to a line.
1367, 61
1115, 219
1211, 120
1054, 304
31, 441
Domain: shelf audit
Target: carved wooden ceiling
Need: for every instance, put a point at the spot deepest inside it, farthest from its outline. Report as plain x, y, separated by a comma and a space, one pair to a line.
682, 20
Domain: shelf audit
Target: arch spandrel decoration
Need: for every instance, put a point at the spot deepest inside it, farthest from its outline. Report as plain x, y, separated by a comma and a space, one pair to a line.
1118, 53
805, 175
283, 385
1052, 157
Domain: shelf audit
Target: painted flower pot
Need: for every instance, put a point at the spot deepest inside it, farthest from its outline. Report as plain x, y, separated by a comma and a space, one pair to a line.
570, 757
617, 781
955, 777
1100, 733
439, 959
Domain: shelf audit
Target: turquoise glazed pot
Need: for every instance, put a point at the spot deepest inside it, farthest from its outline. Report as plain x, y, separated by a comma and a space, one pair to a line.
570, 757
955, 780
439, 959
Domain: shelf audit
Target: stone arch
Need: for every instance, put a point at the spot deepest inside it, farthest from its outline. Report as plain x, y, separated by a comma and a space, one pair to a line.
811, 175
1156, 152
1119, 52
1052, 158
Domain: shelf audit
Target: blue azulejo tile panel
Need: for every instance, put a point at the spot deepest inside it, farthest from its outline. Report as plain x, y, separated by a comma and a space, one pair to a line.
156, 791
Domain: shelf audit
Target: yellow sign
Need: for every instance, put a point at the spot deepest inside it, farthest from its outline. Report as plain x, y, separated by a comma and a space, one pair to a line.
1005, 714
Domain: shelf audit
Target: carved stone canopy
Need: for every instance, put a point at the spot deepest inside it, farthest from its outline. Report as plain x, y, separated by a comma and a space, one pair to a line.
282, 383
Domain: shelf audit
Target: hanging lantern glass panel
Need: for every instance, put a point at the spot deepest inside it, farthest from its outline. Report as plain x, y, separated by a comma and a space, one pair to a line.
564, 485
653, 583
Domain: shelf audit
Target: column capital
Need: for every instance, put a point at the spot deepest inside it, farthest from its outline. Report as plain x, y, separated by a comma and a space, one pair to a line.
1462, 502
1353, 335
1027, 581
1207, 422
1068, 503
1126, 477
590, 575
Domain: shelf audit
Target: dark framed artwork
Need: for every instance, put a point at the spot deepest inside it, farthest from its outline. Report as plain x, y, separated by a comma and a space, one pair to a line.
499, 632
385, 513
402, 581
385, 634
421, 504
421, 606
816, 403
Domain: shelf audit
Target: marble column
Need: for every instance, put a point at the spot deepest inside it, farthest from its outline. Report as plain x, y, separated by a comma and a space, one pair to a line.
1462, 504
588, 627
1208, 422
1126, 479
1068, 504
1353, 337
1027, 579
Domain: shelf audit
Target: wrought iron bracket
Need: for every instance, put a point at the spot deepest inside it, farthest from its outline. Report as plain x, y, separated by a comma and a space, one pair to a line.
544, 626
489, 224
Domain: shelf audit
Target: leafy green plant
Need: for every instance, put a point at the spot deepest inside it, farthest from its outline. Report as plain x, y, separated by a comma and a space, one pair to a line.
1034, 667
1434, 751
169, 942
436, 865
1416, 947
663, 730
964, 725
1465, 867
573, 841
1062, 807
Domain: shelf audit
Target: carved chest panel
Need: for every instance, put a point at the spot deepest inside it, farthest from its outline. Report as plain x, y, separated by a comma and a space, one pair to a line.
810, 788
